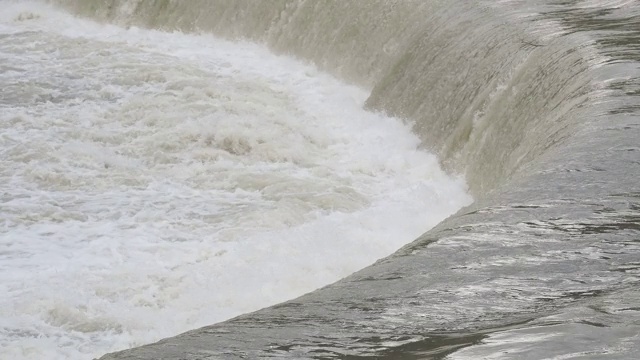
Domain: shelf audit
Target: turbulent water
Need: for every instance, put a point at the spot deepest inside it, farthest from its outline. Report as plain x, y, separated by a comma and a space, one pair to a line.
155, 182
156, 179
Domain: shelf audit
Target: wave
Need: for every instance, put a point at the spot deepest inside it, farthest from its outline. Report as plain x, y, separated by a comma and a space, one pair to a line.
535, 102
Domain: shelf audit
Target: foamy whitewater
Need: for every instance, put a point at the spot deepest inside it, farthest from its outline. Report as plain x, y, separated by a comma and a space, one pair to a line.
152, 183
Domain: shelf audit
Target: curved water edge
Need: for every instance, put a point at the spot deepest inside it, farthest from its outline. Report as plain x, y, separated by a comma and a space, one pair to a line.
459, 72
164, 176
537, 103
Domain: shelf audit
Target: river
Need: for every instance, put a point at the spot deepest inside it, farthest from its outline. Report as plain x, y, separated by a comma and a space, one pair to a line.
171, 165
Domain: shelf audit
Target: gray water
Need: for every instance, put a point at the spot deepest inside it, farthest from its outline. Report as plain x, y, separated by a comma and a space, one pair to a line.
537, 103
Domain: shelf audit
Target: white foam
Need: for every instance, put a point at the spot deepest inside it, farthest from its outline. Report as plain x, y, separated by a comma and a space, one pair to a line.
151, 183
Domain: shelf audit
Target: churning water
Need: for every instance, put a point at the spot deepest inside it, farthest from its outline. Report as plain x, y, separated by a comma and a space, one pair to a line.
155, 182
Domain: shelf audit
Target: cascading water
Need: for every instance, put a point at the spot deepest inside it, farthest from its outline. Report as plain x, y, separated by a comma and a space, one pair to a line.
156, 182
536, 102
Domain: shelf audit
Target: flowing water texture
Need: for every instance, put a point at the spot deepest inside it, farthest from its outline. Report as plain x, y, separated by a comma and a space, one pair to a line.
161, 180
155, 182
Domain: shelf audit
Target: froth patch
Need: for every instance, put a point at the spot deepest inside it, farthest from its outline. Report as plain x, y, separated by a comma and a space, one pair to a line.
158, 182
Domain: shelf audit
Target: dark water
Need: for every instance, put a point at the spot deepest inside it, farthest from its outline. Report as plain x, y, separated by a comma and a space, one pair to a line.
538, 102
